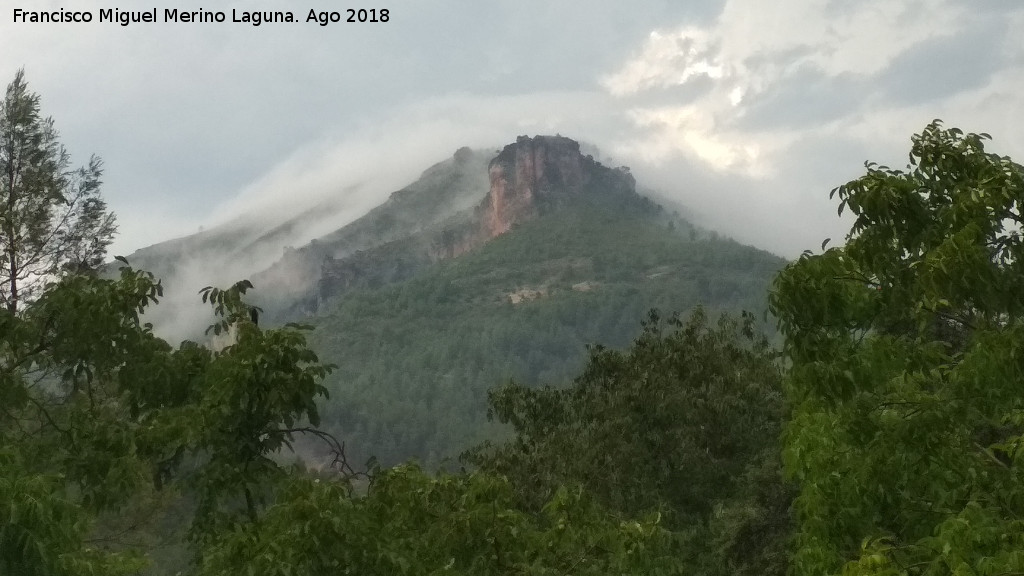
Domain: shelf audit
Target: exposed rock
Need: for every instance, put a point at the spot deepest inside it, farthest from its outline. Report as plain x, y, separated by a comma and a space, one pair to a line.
528, 178
526, 294
532, 173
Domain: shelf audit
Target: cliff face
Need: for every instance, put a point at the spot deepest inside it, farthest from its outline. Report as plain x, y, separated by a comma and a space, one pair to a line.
528, 178
531, 173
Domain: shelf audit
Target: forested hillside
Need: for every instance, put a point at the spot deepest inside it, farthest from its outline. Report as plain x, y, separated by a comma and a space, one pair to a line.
284, 253
489, 267
416, 358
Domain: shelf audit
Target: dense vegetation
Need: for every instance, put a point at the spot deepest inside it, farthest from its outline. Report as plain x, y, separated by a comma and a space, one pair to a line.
52, 216
138, 427
897, 401
417, 358
683, 424
907, 371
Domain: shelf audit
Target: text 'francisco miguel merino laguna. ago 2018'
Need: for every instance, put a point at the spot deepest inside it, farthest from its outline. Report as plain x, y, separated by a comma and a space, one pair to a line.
174, 15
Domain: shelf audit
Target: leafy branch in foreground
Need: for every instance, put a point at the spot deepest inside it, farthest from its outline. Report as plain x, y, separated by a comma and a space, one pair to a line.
100, 416
412, 523
906, 370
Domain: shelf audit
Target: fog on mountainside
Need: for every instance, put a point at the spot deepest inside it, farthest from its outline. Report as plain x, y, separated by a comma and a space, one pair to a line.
281, 248
561, 253
281, 243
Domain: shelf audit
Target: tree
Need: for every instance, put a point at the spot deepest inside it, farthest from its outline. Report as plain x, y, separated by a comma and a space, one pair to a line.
465, 524
685, 422
99, 416
52, 218
906, 370
69, 446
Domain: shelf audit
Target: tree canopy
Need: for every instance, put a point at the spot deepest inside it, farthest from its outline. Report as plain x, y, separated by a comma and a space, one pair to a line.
102, 419
906, 370
52, 217
684, 423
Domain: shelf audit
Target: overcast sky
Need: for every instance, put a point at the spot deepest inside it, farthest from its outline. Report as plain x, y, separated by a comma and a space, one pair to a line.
747, 111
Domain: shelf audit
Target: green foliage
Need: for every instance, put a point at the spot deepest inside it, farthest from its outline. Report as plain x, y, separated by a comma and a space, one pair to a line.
67, 442
906, 370
110, 437
52, 218
411, 523
107, 417
672, 420
417, 357
254, 395
102, 417
42, 527
684, 423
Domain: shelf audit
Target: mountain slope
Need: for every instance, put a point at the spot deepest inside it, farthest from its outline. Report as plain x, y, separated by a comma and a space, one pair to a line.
259, 246
486, 268
423, 224
575, 263
292, 286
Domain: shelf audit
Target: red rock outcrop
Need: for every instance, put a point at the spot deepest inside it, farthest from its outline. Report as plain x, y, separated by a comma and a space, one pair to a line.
527, 178
525, 172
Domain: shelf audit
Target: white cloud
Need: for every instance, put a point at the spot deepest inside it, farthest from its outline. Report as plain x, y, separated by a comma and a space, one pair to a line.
787, 99
668, 59
690, 131
758, 47
352, 172
749, 111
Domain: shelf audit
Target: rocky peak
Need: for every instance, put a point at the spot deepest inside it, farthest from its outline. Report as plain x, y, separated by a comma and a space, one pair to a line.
528, 173
528, 178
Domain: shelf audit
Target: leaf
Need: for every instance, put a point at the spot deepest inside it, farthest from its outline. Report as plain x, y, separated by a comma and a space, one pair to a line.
893, 399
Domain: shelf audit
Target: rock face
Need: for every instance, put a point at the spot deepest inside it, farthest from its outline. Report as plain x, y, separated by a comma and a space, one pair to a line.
528, 178
531, 173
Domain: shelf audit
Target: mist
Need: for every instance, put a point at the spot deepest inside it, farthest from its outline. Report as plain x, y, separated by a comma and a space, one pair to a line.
318, 189
782, 207
748, 126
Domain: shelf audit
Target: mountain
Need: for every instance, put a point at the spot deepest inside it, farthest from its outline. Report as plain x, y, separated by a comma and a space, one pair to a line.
488, 267
440, 217
262, 246
361, 252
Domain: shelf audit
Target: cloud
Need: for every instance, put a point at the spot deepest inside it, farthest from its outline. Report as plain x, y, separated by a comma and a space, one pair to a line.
350, 171
807, 97
794, 96
668, 60
691, 131
749, 111
767, 61
335, 179
942, 66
